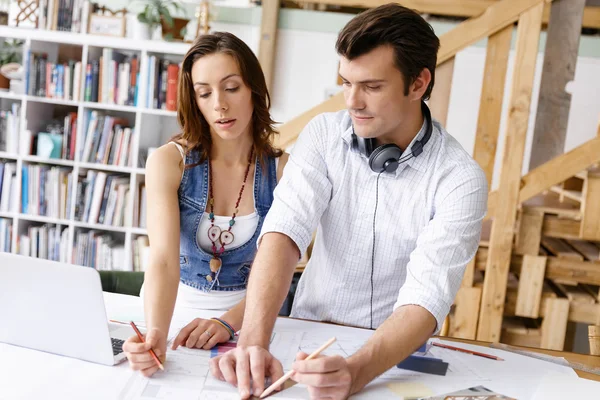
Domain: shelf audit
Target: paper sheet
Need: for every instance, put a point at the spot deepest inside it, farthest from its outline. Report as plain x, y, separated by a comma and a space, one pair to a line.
556, 386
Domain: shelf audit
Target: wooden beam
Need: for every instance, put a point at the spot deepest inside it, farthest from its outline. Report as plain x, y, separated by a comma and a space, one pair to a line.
590, 207
553, 172
560, 61
440, 96
560, 227
531, 282
494, 284
492, 95
497, 17
267, 42
554, 326
560, 248
460, 8
289, 131
589, 250
529, 234
463, 323
469, 275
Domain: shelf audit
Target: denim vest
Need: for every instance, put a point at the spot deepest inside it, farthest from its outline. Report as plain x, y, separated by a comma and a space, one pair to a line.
236, 263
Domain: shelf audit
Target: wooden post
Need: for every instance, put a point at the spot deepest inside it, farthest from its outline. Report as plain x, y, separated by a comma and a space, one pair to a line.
268, 35
464, 322
529, 234
492, 95
554, 326
469, 275
594, 337
531, 282
560, 60
440, 96
501, 239
590, 207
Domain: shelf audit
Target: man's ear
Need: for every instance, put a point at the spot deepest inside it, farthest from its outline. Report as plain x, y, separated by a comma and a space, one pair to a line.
420, 84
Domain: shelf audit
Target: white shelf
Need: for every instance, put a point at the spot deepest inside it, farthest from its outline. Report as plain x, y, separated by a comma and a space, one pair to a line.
8, 156
154, 111
49, 161
105, 167
140, 171
139, 231
7, 215
42, 35
50, 100
100, 227
10, 95
109, 107
43, 219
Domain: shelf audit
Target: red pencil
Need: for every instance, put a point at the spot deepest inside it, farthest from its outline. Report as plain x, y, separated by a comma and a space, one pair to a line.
475, 353
137, 331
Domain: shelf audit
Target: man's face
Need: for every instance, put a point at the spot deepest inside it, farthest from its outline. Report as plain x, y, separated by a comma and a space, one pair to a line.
374, 91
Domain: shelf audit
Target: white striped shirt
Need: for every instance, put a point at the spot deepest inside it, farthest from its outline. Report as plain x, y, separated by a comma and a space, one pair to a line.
428, 224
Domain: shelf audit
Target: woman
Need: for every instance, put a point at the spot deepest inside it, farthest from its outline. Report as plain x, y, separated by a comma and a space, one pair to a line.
209, 190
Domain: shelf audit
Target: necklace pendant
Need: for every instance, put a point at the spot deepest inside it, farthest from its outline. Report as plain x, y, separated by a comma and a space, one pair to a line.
215, 264
213, 233
226, 238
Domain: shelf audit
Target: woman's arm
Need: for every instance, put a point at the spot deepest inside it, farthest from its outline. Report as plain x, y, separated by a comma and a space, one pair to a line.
163, 176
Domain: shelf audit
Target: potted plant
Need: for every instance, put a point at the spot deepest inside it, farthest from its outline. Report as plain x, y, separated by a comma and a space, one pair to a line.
10, 61
160, 12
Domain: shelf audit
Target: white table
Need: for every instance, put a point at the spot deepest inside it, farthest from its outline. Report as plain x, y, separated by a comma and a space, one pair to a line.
29, 374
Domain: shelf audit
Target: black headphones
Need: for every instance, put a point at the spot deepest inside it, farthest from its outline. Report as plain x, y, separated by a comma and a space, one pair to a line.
387, 157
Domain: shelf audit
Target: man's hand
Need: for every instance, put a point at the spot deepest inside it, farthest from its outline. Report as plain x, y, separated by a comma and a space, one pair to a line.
201, 334
241, 364
327, 377
138, 353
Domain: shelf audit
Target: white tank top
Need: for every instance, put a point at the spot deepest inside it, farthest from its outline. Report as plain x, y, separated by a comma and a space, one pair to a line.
244, 228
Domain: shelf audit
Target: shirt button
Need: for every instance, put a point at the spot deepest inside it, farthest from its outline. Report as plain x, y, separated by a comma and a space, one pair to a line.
209, 278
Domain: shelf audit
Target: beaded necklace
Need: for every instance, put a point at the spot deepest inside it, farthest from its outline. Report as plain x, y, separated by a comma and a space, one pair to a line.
215, 234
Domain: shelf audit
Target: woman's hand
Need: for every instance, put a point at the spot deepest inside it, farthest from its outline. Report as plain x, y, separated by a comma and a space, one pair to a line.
138, 353
201, 334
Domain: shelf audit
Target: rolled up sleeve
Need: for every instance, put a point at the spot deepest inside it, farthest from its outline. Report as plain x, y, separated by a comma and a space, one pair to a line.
447, 244
304, 191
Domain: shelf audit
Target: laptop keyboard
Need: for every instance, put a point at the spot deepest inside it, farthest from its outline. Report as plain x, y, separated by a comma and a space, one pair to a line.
117, 345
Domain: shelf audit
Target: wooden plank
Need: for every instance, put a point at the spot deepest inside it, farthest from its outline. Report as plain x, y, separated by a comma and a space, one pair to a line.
588, 250
554, 172
492, 95
560, 248
517, 334
531, 282
560, 61
573, 270
590, 207
458, 8
464, 322
560, 227
495, 18
554, 326
529, 234
549, 203
494, 286
267, 42
469, 275
440, 95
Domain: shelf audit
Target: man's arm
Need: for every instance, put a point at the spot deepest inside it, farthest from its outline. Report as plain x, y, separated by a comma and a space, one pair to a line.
269, 283
397, 338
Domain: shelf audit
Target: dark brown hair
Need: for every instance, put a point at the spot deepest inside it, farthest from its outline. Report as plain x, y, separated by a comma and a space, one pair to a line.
195, 129
412, 38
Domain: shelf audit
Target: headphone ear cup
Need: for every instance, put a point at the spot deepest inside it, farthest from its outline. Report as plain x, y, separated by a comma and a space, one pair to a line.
385, 158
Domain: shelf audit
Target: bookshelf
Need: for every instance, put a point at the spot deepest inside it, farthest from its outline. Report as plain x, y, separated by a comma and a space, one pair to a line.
150, 127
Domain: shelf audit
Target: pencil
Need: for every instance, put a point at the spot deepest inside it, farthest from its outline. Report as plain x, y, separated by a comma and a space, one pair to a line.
287, 376
137, 331
475, 353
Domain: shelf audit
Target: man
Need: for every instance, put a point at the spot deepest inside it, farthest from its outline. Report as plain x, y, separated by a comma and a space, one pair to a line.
392, 243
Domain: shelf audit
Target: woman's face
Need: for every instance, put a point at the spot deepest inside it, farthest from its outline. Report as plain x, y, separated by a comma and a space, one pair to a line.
222, 96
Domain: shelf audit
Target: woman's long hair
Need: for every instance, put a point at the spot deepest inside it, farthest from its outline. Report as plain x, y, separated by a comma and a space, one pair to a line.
195, 129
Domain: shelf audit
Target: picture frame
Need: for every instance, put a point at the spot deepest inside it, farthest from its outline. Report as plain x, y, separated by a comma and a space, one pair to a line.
105, 22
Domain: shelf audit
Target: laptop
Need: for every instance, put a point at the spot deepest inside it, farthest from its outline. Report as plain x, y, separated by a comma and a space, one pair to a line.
57, 308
